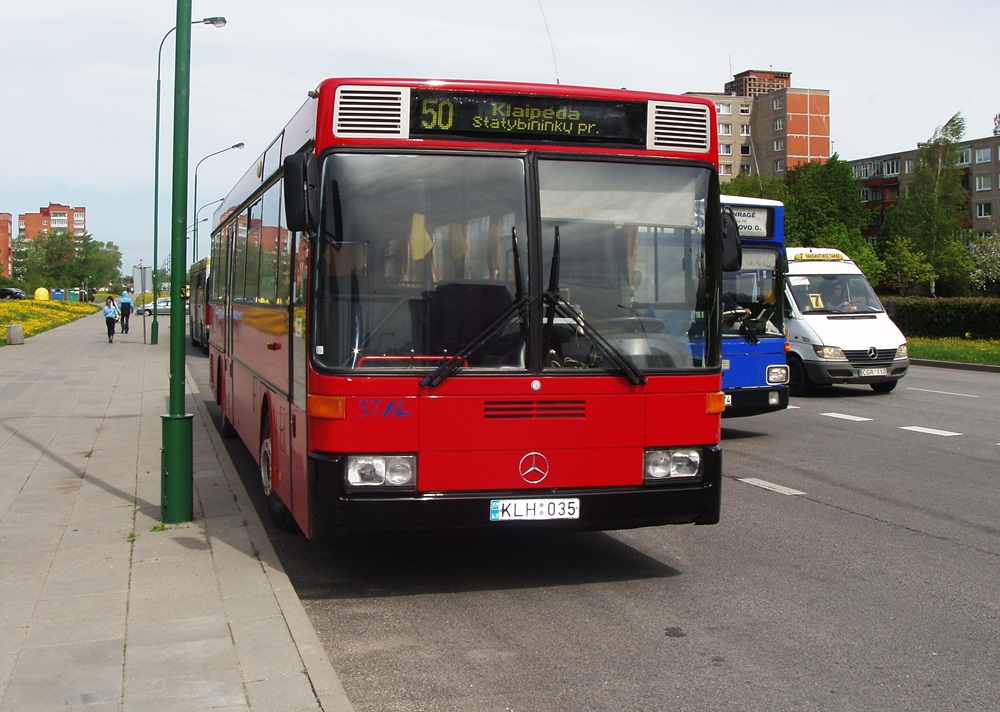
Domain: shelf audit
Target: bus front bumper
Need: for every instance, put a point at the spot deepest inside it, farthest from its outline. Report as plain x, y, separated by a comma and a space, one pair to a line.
333, 513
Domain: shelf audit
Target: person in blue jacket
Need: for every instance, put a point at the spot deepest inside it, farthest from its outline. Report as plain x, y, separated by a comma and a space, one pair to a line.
110, 317
126, 307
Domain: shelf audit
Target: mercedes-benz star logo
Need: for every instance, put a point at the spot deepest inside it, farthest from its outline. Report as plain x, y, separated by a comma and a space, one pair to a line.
534, 467
872, 353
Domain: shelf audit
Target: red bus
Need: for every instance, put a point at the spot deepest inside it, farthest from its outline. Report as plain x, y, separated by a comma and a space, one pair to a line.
457, 305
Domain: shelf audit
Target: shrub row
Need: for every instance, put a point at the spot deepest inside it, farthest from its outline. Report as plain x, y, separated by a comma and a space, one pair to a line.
962, 317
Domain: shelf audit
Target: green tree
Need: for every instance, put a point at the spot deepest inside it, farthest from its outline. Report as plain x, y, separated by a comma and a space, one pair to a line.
822, 199
905, 264
62, 259
770, 187
933, 209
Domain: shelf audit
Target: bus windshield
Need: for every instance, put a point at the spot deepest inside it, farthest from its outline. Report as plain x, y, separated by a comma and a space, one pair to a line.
425, 257
749, 297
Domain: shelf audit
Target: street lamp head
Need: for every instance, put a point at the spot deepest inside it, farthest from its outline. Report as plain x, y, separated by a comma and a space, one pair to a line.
214, 21
238, 145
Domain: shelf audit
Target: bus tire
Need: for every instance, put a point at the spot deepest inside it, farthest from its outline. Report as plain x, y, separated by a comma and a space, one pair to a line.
798, 380
276, 509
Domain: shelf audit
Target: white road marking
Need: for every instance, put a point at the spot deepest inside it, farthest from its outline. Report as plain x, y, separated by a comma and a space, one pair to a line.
842, 416
928, 431
943, 393
764, 484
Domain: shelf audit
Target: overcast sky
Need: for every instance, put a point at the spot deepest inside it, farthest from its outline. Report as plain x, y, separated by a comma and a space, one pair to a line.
78, 79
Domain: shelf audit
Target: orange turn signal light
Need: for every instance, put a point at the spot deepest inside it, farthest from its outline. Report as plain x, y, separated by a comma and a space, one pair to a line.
715, 403
328, 407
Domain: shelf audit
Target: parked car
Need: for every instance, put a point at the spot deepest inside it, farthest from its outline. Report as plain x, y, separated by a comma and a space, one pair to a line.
11, 293
162, 306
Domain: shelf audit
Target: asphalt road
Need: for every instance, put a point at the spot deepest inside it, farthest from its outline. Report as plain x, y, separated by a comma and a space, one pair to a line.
858, 569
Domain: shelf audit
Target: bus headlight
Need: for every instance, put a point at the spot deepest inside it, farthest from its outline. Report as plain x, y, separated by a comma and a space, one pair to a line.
672, 463
397, 472
902, 352
830, 352
777, 374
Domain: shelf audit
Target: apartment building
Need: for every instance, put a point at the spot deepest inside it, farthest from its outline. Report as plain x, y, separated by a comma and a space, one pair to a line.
54, 217
767, 126
884, 177
6, 244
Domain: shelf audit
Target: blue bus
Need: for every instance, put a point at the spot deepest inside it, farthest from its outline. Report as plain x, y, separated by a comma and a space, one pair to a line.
754, 368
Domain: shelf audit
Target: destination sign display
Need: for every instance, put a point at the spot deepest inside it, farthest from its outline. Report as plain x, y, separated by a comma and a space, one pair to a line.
510, 117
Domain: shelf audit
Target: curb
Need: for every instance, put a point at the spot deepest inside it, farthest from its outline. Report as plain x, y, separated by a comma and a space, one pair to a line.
956, 365
315, 662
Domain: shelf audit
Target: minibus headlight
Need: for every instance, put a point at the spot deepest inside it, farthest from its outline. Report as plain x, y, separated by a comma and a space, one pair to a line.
672, 463
398, 472
902, 352
777, 374
830, 352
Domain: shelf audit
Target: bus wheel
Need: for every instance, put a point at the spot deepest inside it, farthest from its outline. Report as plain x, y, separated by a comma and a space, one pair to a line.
884, 387
276, 509
798, 380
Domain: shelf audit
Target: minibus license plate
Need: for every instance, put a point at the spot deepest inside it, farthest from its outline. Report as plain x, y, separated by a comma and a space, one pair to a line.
874, 372
507, 510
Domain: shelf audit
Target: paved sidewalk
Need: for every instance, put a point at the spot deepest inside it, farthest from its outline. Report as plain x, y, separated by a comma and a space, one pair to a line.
103, 608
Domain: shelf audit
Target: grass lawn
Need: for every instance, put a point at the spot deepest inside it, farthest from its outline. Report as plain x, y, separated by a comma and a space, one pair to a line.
36, 317
986, 351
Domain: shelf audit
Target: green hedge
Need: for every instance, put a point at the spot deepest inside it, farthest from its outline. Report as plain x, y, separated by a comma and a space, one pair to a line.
968, 317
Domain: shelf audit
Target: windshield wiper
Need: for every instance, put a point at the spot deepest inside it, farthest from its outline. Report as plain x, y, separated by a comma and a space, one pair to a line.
518, 308
556, 304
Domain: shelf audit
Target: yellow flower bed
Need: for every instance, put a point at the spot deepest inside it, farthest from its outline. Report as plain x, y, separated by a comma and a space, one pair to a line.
36, 317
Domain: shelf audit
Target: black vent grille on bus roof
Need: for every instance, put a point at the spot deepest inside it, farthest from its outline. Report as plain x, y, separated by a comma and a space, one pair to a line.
371, 112
678, 127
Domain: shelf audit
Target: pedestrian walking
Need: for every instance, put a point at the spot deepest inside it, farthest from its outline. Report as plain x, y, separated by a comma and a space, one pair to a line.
111, 318
126, 307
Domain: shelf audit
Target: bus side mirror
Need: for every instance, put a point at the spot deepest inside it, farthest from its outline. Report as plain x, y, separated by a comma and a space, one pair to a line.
301, 188
732, 250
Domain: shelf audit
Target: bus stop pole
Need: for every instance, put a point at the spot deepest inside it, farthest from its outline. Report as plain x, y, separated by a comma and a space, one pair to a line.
176, 456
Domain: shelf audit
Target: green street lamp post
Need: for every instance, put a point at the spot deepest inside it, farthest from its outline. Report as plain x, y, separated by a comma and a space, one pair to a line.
176, 456
215, 22
194, 245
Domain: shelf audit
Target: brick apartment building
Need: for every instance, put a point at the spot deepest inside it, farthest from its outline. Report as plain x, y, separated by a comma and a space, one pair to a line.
54, 217
884, 177
767, 126
6, 244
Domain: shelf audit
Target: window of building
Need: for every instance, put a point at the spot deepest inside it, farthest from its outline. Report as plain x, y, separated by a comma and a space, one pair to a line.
745, 149
861, 171
744, 129
778, 103
725, 149
746, 169
724, 109
984, 210
965, 156
779, 124
866, 195
779, 166
908, 165
779, 144
725, 129
984, 183
890, 167
745, 109
984, 155
725, 169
